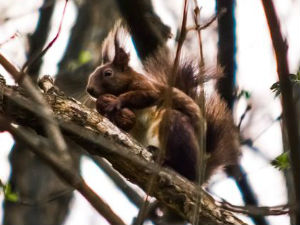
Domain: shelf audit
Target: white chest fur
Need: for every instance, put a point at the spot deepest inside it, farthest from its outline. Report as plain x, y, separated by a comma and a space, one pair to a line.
146, 129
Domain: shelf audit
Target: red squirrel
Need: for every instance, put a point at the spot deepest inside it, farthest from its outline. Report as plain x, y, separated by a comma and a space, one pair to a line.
134, 102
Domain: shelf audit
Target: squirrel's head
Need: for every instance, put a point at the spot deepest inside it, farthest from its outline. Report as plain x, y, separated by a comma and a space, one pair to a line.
114, 75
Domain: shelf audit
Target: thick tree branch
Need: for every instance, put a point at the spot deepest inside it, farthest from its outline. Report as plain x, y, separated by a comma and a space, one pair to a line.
100, 137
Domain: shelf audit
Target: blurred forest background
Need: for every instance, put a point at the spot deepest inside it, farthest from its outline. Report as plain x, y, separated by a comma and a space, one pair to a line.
239, 41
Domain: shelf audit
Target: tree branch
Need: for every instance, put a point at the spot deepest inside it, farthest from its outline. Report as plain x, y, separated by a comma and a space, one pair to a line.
101, 138
119, 181
51, 128
254, 210
288, 104
41, 147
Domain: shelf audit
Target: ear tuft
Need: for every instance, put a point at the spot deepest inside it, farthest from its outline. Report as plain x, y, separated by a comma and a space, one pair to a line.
105, 52
115, 45
121, 58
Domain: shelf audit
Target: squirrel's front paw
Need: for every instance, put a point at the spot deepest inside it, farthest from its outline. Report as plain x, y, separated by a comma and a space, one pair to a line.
109, 106
107, 103
124, 119
114, 105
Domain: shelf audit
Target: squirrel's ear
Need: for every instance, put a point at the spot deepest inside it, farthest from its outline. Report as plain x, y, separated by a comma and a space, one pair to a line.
121, 58
105, 53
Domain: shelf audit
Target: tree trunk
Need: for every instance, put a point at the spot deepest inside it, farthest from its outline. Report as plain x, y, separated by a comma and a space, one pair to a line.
226, 58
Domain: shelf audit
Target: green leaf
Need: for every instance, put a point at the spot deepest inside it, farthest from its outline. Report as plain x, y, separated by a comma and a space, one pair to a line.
276, 88
8, 194
245, 93
6, 188
12, 197
282, 161
84, 57
294, 78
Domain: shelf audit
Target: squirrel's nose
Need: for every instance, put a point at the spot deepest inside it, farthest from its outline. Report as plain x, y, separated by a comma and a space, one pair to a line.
91, 91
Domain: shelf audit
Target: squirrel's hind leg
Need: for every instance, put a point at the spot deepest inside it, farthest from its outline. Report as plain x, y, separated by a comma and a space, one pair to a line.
177, 137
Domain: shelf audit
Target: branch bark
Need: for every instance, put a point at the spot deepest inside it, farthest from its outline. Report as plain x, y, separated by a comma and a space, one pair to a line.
101, 138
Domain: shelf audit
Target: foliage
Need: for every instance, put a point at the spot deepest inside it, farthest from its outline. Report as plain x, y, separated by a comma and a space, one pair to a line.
84, 57
294, 78
245, 94
9, 195
282, 161
276, 88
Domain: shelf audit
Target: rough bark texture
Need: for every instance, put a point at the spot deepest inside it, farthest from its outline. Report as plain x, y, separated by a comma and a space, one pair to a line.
100, 137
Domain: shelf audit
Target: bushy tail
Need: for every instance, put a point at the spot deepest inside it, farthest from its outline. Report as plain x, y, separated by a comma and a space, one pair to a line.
188, 75
222, 137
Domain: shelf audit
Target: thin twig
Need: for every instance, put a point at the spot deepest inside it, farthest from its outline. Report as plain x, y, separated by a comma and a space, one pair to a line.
202, 126
266, 128
51, 197
118, 180
44, 51
256, 210
181, 39
199, 27
244, 115
12, 37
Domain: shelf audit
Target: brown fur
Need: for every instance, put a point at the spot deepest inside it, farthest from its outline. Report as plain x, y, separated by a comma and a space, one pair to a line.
175, 126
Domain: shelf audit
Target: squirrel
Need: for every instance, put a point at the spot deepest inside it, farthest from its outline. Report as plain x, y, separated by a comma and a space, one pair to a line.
134, 101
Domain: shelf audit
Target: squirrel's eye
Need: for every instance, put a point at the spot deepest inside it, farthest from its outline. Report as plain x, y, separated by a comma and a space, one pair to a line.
107, 73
